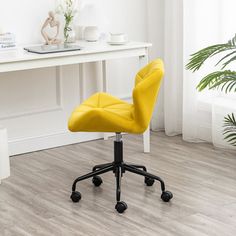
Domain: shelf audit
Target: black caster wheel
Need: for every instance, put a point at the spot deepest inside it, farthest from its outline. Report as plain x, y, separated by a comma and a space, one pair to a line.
166, 196
97, 181
75, 196
121, 207
149, 181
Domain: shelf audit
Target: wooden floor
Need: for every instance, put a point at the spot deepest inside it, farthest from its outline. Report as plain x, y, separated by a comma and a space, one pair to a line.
35, 199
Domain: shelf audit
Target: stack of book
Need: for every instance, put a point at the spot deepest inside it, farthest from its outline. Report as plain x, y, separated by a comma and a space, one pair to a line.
7, 41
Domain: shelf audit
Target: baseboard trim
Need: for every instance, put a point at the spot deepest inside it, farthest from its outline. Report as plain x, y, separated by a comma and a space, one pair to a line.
33, 144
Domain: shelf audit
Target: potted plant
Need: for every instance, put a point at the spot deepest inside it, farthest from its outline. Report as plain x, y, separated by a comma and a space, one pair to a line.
223, 79
68, 8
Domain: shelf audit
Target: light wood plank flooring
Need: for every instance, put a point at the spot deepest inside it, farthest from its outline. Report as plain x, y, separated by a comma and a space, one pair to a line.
35, 199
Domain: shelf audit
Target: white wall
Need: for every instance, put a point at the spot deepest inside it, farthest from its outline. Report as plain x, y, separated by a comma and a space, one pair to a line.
24, 18
35, 104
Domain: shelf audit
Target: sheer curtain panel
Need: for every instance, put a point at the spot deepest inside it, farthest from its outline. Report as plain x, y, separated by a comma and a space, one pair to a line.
191, 25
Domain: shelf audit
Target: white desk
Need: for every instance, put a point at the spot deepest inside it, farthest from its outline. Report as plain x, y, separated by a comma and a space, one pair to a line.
16, 60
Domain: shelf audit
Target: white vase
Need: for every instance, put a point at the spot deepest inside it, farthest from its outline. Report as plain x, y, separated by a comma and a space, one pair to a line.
71, 34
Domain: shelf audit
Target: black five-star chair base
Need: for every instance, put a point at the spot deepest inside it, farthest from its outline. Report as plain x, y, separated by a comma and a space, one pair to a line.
119, 167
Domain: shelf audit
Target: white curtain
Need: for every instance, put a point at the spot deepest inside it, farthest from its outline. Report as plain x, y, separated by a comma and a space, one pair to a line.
191, 25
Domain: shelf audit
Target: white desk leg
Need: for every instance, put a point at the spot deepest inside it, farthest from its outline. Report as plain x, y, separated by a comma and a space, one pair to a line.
143, 61
81, 82
104, 76
146, 140
104, 88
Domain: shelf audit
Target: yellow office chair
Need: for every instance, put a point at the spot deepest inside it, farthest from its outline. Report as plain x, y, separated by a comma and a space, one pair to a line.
105, 113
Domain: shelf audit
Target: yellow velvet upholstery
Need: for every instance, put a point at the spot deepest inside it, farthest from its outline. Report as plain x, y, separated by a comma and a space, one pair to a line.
105, 113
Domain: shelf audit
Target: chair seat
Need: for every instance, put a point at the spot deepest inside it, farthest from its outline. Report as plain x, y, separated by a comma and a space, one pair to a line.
103, 113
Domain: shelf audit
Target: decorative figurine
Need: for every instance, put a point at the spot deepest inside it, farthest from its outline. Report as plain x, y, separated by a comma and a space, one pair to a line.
52, 22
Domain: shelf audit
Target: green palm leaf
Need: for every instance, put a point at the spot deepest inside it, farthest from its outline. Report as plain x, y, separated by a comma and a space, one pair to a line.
230, 129
225, 57
224, 80
197, 59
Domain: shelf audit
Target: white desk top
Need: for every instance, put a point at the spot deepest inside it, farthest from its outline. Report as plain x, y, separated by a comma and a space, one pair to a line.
20, 55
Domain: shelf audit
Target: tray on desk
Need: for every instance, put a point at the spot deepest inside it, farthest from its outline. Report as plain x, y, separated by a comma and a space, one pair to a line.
44, 49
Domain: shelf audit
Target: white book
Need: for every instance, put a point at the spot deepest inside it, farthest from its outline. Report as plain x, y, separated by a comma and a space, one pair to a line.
8, 46
8, 37
4, 39
7, 49
7, 42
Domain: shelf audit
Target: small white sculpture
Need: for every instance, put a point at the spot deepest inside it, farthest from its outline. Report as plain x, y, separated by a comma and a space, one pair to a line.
52, 22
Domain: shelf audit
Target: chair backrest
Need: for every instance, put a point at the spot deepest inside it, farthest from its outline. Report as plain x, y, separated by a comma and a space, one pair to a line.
147, 85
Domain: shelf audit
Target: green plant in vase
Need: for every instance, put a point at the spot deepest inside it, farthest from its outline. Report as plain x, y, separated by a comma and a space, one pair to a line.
223, 79
68, 8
